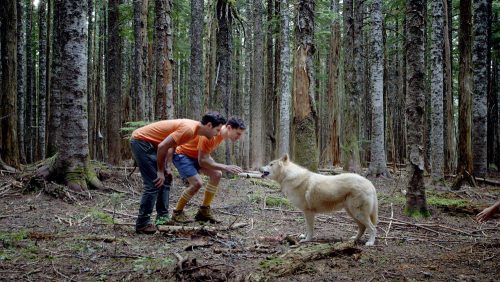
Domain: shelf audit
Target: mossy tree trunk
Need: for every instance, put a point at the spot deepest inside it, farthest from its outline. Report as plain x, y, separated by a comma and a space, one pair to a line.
71, 164
305, 151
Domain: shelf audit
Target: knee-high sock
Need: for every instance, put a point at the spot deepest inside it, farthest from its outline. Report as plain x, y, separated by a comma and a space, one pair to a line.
186, 196
210, 191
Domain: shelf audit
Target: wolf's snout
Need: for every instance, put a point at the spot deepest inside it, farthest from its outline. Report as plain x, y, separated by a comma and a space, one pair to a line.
265, 171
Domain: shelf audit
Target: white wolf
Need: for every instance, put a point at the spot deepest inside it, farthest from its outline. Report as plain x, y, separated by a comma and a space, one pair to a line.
314, 193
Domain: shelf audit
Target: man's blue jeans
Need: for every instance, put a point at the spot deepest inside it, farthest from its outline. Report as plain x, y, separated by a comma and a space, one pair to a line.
145, 156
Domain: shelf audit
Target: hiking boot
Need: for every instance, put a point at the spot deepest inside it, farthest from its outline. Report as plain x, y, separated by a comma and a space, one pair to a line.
204, 214
162, 220
180, 217
148, 229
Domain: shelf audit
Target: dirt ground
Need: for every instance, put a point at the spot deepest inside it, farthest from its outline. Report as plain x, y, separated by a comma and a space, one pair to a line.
93, 239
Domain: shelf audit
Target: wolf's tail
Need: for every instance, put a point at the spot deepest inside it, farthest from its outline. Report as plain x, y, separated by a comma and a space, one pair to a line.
374, 213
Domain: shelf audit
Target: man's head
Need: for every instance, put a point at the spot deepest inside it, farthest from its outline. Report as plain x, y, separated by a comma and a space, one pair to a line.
235, 128
212, 123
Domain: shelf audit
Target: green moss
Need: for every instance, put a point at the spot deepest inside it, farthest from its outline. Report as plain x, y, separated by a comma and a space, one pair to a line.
416, 213
265, 183
272, 262
441, 202
275, 201
102, 216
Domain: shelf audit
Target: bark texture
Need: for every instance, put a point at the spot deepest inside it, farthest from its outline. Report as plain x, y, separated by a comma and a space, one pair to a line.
164, 105
285, 92
415, 197
305, 151
196, 75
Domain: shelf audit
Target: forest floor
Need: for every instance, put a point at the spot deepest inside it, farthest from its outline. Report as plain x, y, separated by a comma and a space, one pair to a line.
82, 238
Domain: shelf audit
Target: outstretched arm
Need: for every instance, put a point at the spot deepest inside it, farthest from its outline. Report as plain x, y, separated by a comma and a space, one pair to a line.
206, 161
488, 212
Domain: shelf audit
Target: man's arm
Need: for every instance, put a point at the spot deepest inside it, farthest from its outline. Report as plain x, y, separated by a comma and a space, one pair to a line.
206, 161
161, 157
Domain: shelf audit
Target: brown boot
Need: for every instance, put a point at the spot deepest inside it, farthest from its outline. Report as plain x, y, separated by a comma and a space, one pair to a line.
148, 229
180, 217
204, 214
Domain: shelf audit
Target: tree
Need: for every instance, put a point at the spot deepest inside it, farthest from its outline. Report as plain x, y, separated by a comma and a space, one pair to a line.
269, 92
164, 85
71, 164
449, 127
437, 44
140, 57
378, 164
43, 78
465, 167
284, 142
113, 95
305, 150
21, 77
415, 197
480, 91
196, 66
257, 123
8, 42
350, 128
333, 97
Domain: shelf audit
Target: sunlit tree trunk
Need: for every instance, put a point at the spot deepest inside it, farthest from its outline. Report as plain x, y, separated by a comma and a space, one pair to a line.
285, 94
305, 150
437, 40
8, 43
415, 197
480, 90
378, 165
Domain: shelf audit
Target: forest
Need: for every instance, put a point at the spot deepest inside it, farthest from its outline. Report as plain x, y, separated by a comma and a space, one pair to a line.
405, 93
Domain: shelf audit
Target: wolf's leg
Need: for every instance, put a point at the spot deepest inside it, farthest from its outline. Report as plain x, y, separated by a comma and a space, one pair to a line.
309, 217
364, 222
361, 226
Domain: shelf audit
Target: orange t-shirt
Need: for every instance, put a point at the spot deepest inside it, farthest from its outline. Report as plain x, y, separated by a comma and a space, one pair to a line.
181, 130
202, 143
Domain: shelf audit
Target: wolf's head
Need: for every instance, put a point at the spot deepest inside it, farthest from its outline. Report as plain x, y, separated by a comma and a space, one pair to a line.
274, 169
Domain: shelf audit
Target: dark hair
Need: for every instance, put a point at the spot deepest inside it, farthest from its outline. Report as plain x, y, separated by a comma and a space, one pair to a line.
236, 123
213, 117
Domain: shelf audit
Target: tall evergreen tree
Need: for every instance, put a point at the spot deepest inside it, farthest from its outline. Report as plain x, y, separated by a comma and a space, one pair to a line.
285, 93
196, 66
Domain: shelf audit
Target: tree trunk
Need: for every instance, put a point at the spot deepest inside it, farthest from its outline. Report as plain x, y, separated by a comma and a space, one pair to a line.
72, 163
21, 78
333, 96
164, 84
8, 36
270, 137
196, 66
378, 164
54, 130
305, 143
284, 131
415, 197
437, 40
42, 67
350, 126
30, 91
248, 43
449, 124
465, 168
493, 106
114, 94
480, 92
140, 52
257, 122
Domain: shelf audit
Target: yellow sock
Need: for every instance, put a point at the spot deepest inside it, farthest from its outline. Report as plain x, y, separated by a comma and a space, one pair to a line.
210, 191
186, 196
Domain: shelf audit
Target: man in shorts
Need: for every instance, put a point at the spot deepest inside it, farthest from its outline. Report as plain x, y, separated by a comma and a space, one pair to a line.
194, 157
150, 145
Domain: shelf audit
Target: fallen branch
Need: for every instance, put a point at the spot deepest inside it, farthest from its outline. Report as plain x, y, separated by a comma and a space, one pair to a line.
177, 228
251, 174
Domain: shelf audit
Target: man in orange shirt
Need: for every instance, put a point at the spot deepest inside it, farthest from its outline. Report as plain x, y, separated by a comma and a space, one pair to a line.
150, 145
194, 157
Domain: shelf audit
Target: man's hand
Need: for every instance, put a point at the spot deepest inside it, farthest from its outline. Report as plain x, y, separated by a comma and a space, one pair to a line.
486, 214
160, 178
234, 169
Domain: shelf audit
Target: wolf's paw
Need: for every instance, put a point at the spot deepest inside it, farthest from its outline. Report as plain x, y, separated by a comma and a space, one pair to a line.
369, 243
304, 238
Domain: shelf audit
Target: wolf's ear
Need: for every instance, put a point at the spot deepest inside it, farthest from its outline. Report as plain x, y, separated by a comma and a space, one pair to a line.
285, 158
